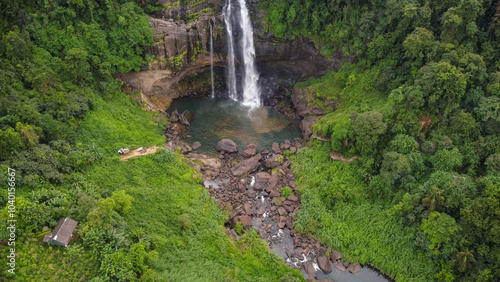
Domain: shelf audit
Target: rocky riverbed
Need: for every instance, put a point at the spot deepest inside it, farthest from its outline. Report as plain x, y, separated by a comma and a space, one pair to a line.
258, 189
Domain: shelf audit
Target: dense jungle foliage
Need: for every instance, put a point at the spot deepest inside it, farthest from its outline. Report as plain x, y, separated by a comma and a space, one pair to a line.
62, 119
420, 105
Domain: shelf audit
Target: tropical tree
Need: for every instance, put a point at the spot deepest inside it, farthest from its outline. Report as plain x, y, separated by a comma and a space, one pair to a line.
434, 200
465, 259
367, 127
440, 228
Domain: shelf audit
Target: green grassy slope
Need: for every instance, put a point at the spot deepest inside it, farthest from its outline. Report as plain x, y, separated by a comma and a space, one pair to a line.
335, 210
171, 211
336, 204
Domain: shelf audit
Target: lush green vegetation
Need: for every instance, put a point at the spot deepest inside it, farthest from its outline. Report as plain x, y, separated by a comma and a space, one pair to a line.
146, 218
421, 109
62, 119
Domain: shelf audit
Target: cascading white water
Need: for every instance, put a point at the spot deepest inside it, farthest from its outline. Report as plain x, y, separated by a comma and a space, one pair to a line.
250, 77
231, 69
212, 59
251, 92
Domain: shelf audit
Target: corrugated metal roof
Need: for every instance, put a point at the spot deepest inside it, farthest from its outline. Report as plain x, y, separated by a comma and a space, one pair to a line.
63, 231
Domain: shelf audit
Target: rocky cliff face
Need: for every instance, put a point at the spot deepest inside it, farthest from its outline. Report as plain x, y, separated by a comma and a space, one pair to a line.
179, 63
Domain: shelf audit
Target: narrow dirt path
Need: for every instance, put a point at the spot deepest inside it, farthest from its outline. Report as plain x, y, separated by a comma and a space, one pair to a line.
133, 153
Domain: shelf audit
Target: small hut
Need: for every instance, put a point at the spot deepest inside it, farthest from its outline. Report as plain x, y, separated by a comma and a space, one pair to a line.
62, 233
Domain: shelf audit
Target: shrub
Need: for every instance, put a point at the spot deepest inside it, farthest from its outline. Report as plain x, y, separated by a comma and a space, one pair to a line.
184, 221
238, 228
286, 191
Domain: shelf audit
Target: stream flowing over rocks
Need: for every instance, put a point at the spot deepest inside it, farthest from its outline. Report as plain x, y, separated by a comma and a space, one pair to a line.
250, 187
257, 188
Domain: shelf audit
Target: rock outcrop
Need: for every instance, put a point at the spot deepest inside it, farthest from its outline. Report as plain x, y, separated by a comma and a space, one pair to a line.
305, 101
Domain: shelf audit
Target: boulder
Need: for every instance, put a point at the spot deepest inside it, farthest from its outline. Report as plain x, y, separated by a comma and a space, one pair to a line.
263, 177
311, 272
251, 193
275, 147
186, 118
282, 211
292, 198
227, 145
245, 220
247, 208
340, 267
241, 187
273, 161
174, 116
261, 210
285, 146
354, 268
250, 150
274, 193
186, 149
324, 264
196, 145
244, 167
336, 255
273, 181
259, 186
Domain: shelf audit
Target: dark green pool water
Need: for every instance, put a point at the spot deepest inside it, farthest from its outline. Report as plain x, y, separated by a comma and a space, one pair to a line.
215, 119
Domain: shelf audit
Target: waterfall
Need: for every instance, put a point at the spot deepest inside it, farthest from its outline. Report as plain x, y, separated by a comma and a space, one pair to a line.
212, 59
231, 69
251, 95
250, 76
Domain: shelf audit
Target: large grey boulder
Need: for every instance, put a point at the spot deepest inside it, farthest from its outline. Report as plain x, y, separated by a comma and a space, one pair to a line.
196, 146
250, 150
273, 181
311, 272
244, 167
244, 219
276, 148
227, 145
336, 255
354, 268
262, 177
324, 264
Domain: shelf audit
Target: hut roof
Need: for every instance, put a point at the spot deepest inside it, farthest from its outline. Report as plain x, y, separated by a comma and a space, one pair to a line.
63, 231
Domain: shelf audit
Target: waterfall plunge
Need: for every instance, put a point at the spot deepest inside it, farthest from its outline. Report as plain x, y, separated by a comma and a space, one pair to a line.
231, 69
249, 83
